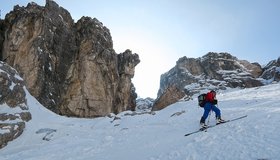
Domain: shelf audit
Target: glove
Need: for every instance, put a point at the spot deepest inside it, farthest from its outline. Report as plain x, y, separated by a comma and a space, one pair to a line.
215, 101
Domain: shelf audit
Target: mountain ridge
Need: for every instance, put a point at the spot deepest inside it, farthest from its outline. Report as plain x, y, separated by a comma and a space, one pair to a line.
213, 71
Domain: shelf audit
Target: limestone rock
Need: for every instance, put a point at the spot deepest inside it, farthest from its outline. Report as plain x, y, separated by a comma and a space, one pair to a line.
1, 36
71, 68
144, 104
10, 131
14, 110
36, 39
212, 71
171, 95
272, 71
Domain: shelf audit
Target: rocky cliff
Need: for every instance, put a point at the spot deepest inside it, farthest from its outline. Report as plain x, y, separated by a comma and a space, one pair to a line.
212, 71
71, 68
272, 71
14, 111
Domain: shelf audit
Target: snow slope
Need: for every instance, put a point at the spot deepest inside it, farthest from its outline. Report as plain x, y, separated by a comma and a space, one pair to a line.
159, 136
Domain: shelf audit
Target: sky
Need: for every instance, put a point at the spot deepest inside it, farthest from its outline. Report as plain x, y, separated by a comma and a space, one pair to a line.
162, 31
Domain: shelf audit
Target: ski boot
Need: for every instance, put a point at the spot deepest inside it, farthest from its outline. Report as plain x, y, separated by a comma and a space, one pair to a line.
202, 123
219, 120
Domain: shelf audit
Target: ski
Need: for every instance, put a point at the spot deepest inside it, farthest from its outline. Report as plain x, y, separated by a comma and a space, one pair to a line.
210, 126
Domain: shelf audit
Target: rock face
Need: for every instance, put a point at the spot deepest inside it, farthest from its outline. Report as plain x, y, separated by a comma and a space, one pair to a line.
171, 95
13, 110
71, 68
272, 71
212, 71
1, 36
144, 104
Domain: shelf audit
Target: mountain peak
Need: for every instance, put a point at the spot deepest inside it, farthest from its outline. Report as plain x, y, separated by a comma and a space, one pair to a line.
212, 71
221, 55
71, 68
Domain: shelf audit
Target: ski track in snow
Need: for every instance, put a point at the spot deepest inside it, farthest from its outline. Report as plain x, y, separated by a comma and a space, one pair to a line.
159, 136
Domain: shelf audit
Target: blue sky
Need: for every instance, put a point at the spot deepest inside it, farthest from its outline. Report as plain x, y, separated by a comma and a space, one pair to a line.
162, 31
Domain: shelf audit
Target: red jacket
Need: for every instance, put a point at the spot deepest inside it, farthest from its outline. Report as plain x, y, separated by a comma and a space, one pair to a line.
210, 97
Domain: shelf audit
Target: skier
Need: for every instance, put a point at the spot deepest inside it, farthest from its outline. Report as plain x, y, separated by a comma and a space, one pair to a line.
211, 101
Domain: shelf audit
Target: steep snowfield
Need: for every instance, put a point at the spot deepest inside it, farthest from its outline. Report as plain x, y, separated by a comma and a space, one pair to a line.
160, 136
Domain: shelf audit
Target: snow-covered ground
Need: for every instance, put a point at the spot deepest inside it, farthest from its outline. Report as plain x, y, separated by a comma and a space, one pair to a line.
160, 136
